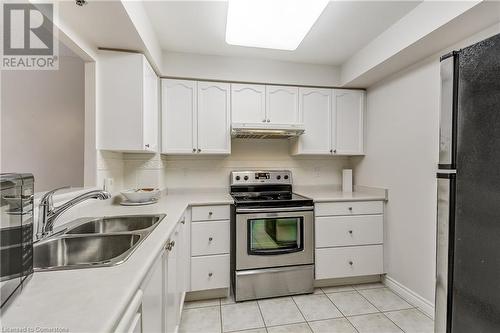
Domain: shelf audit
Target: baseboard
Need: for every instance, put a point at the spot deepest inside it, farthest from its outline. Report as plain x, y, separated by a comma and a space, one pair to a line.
409, 295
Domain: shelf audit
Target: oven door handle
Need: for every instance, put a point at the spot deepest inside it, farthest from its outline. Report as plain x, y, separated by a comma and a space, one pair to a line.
274, 209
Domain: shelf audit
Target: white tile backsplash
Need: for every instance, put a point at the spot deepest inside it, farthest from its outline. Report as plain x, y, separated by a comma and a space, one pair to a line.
209, 171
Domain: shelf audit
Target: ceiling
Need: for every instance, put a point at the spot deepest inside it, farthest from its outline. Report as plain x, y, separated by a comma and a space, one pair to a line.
343, 28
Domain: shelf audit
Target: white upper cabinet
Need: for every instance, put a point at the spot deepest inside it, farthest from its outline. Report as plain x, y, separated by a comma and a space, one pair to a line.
349, 109
248, 103
282, 105
214, 121
179, 116
315, 110
195, 117
127, 102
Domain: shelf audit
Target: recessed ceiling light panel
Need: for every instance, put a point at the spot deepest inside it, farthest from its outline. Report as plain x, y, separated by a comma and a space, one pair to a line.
272, 24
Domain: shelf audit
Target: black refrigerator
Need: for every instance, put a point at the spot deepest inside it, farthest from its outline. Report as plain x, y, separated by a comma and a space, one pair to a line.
468, 222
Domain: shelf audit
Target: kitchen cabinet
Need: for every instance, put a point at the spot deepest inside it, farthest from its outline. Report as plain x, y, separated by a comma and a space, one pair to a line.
333, 120
179, 135
128, 103
195, 117
158, 303
152, 300
210, 231
248, 103
349, 109
315, 112
351, 235
214, 118
282, 105
172, 297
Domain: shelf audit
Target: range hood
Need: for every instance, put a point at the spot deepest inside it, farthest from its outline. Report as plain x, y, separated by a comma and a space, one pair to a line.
265, 131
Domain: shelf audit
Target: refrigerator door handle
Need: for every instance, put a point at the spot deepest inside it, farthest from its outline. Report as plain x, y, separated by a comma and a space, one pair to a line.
448, 111
444, 251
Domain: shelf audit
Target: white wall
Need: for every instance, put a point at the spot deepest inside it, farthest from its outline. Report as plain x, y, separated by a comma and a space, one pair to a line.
42, 124
402, 154
248, 70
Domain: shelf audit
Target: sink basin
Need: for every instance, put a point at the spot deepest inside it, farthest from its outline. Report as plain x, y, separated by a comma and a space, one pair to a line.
116, 224
69, 252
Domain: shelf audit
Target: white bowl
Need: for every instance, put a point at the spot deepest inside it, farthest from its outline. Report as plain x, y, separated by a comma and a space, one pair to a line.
141, 194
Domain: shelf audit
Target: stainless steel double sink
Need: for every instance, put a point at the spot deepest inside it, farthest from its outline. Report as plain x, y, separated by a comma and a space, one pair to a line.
94, 242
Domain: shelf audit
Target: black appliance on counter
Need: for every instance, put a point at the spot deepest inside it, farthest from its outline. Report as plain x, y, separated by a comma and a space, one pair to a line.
468, 231
16, 233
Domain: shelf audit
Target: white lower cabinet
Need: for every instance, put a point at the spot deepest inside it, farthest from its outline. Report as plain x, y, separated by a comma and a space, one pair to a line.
194, 258
210, 238
339, 262
209, 272
349, 239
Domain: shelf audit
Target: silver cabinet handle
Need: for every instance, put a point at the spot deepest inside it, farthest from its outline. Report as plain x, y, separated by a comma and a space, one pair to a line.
147, 145
210, 239
183, 221
331, 150
351, 263
210, 213
199, 150
350, 231
169, 245
210, 274
269, 120
335, 151
350, 209
194, 150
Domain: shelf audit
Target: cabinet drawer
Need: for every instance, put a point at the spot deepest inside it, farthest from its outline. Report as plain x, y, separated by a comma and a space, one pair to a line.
349, 230
341, 262
209, 238
207, 213
349, 208
210, 272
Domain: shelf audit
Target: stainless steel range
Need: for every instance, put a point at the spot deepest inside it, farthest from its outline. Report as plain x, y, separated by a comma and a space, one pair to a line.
271, 236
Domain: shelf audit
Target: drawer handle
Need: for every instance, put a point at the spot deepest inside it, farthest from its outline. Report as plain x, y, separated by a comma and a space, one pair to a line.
350, 208
351, 263
183, 222
350, 232
210, 274
210, 213
210, 239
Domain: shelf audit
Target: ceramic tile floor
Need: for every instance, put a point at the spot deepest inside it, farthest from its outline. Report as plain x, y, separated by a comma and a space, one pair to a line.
364, 308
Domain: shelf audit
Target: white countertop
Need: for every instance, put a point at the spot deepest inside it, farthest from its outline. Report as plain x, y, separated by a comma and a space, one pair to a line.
94, 299
328, 193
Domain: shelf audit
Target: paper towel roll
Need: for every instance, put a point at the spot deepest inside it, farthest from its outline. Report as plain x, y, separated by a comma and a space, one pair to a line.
347, 180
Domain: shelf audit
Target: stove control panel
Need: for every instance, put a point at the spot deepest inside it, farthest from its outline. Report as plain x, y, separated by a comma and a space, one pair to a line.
261, 177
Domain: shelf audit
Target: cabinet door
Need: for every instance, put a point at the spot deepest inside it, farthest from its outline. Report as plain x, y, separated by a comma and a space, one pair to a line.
349, 108
315, 110
248, 103
171, 301
214, 135
150, 108
178, 116
152, 300
282, 104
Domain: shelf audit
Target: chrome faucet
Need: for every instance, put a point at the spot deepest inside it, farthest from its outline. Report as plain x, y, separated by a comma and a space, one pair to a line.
47, 213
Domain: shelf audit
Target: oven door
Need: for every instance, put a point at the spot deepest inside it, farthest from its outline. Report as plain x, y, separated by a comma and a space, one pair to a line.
273, 237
